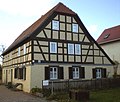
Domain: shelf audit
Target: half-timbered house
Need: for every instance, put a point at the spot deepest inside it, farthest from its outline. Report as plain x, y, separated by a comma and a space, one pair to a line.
57, 46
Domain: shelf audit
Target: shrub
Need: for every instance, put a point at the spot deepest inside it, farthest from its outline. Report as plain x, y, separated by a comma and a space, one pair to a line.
9, 85
46, 92
35, 90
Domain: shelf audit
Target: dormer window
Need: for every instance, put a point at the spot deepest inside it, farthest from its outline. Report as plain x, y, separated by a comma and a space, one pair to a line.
106, 36
55, 25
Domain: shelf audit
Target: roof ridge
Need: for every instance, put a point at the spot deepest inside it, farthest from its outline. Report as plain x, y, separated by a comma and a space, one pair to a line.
112, 27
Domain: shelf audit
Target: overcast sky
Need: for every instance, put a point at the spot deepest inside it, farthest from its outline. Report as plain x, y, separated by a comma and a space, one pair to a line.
17, 15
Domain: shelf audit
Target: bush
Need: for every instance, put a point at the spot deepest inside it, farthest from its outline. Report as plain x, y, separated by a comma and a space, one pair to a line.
9, 85
46, 92
35, 90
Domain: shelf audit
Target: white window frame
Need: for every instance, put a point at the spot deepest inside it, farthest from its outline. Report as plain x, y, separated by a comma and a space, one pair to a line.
70, 48
77, 49
10, 55
53, 73
55, 25
19, 51
76, 73
53, 47
24, 48
75, 28
98, 73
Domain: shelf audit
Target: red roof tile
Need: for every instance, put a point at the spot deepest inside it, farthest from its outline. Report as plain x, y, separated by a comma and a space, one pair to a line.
109, 35
61, 8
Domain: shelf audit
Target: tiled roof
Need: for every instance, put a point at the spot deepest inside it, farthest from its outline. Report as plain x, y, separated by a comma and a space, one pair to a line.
61, 8
109, 35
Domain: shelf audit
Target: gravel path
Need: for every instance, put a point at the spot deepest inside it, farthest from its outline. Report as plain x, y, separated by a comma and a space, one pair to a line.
6, 95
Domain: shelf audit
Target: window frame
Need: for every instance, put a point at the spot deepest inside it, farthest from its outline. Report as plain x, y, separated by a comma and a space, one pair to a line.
76, 72
24, 49
20, 73
75, 28
55, 25
70, 50
53, 73
98, 73
77, 49
53, 49
18, 51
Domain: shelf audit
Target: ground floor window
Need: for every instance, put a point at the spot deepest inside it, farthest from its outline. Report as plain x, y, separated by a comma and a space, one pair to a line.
76, 72
99, 73
20, 73
53, 72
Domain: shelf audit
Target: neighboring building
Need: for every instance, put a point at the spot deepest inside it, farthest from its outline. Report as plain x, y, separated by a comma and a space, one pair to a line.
57, 46
109, 40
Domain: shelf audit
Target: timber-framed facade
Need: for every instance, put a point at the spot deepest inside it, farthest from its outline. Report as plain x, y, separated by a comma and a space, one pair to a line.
57, 46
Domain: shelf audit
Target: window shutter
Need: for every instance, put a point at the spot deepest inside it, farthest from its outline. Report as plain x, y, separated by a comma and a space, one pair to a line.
15, 73
24, 76
70, 73
47, 73
94, 73
60, 73
103, 73
82, 72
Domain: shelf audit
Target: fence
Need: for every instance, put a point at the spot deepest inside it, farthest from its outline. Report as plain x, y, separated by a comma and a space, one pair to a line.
66, 85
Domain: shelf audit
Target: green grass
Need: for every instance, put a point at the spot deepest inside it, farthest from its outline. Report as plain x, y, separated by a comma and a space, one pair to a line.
111, 95
108, 95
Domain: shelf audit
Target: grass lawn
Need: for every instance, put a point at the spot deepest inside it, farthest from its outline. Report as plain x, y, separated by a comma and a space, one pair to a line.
108, 95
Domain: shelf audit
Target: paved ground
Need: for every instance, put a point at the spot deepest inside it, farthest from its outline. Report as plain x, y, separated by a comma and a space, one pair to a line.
6, 95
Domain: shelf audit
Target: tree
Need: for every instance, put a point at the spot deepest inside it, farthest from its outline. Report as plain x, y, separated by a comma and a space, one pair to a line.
2, 49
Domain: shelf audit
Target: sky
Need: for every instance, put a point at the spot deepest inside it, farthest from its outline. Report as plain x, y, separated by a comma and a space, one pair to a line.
17, 15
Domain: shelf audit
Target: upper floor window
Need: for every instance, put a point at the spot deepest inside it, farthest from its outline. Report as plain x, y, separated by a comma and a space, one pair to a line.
70, 48
74, 49
75, 28
24, 49
77, 49
55, 25
19, 51
53, 47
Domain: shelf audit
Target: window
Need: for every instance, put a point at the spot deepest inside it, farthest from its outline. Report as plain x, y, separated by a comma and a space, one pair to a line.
75, 72
55, 25
75, 28
98, 73
70, 48
106, 36
77, 49
53, 47
20, 73
24, 49
53, 73
19, 51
